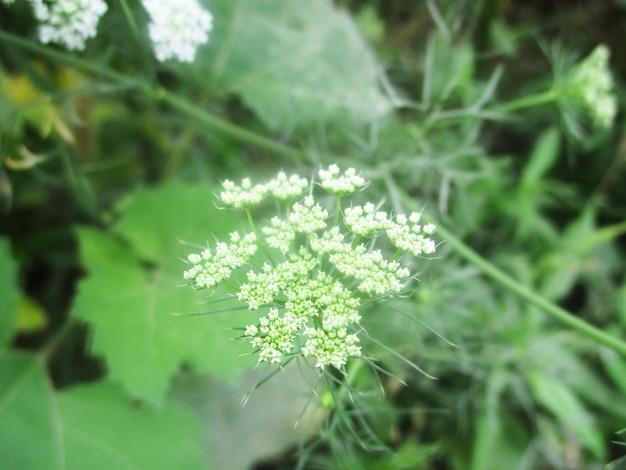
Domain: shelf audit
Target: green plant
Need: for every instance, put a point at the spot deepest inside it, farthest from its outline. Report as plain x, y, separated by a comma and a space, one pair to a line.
114, 139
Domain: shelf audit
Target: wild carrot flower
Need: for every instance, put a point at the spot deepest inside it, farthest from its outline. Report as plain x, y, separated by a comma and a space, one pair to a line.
310, 287
177, 28
590, 85
68, 22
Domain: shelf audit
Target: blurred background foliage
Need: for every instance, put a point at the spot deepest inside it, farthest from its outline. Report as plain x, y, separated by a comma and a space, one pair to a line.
109, 165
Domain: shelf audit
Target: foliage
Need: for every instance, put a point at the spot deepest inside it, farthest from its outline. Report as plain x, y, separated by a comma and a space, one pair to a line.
506, 131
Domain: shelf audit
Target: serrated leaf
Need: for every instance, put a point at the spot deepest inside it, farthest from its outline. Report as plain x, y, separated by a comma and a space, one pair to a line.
10, 293
566, 407
133, 290
293, 66
93, 426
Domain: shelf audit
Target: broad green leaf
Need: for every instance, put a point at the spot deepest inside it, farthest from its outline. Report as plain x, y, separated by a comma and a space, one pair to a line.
103, 429
293, 66
10, 293
566, 407
134, 287
92, 426
29, 421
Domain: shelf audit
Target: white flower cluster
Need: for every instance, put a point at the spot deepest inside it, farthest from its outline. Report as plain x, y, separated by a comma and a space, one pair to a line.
68, 22
247, 196
177, 28
312, 288
335, 183
591, 84
211, 268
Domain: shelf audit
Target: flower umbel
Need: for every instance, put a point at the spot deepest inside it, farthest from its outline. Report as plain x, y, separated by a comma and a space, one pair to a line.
318, 268
68, 22
590, 85
177, 28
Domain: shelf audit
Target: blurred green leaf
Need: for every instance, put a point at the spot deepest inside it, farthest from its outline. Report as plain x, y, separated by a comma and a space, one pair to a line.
132, 292
29, 417
565, 406
91, 426
615, 366
563, 265
543, 156
500, 441
10, 293
294, 66
103, 429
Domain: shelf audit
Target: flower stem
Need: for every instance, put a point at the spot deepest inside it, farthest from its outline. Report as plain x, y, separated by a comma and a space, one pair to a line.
556, 312
530, 101
182, 105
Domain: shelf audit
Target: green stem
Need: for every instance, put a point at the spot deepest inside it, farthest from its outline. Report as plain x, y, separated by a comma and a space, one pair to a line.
201, 115
529, 101
67, 59
225, 127
530, 296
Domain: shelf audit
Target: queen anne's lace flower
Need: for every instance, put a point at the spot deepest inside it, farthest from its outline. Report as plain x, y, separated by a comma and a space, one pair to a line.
366, 221
334, 182
68, 22
312, 289
285, 188
211, 268
244, 196
408, 235
177, 28
591, 84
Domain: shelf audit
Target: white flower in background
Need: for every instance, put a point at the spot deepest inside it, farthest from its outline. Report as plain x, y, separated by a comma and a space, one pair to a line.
590, 85
177, 28
68, 22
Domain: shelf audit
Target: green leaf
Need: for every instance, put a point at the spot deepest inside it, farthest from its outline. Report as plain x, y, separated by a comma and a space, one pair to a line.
500, 441
615, 366
93, 426
566, 407
133, 290
29, 421
293, 66
103, 429
10, 293
543, 157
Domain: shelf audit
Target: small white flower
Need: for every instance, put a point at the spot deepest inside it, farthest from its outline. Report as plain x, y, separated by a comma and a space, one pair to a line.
285, 188
307, 217
68, 22
243, 196
407, 235
211, 268
177, 28
335, 183
366, 221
